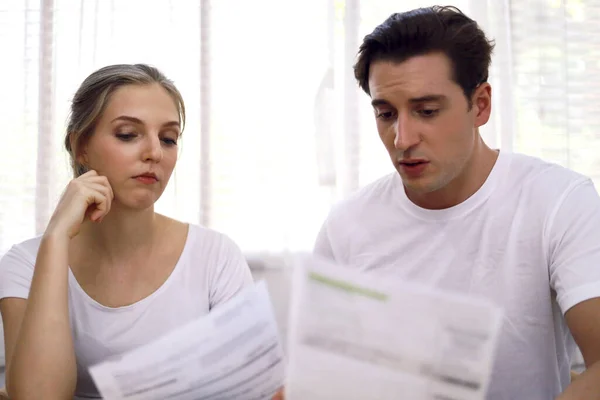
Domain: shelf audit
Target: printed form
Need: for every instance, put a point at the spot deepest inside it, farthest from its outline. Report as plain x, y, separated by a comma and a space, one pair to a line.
354, 336
232, 353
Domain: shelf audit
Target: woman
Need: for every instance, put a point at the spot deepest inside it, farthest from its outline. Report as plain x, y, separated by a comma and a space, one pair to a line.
109, 273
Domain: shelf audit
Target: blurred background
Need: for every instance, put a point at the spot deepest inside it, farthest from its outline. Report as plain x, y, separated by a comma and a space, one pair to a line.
277, 128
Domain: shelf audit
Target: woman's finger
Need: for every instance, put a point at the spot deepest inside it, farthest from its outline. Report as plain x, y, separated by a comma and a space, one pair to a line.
88, 174
102, 180
98, 201
105, 190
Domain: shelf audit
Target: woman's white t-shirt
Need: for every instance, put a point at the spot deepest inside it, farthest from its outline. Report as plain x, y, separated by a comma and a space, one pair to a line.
210, 270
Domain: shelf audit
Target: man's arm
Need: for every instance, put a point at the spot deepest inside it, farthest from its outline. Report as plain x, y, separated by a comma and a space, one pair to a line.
573, 236
583, 320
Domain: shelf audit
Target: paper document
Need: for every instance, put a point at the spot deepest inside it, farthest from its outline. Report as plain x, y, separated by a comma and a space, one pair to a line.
355, 336
232, 353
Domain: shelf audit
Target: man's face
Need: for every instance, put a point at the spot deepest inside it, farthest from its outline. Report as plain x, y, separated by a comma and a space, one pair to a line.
424, 121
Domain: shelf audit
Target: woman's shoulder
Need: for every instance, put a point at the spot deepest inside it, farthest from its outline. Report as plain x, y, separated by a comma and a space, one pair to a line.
221, 260
211, 239
199, 239
16, 268
25, 251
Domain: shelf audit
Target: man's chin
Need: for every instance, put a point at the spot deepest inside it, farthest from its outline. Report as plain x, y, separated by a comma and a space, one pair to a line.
421, 186
416, 184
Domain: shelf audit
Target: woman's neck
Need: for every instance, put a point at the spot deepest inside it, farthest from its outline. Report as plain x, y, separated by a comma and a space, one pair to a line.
122, 235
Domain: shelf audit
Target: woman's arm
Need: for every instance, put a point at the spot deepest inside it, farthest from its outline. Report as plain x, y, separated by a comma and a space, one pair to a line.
40, 359
230, 273
39, 345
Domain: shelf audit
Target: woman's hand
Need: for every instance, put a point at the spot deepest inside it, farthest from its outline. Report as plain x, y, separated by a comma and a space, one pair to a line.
88, 196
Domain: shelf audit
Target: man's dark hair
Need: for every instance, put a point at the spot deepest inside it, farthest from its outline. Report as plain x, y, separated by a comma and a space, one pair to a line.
427, 30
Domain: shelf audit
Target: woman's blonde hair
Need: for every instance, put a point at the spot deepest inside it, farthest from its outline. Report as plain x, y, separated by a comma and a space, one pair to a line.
93, 95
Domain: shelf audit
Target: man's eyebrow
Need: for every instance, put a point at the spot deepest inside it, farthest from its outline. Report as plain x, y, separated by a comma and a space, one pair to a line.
428, 98
380, 102
415, 100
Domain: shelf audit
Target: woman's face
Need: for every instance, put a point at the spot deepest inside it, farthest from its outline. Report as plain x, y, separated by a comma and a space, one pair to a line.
135, 144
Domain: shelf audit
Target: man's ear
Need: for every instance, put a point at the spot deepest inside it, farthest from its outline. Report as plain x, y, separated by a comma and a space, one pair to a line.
482, 104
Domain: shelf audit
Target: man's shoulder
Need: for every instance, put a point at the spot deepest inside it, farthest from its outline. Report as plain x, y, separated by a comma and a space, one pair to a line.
375, 194
546, 177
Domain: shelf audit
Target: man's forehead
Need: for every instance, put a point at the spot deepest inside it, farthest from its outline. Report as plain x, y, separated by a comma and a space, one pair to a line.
417, 76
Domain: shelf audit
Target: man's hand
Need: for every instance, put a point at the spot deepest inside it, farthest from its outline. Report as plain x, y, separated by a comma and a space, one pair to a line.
278, 395
584, 323
574, 375
4, 395
586, 386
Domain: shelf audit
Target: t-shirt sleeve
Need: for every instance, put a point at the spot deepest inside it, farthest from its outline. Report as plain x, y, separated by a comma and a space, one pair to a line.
322, 245
16, 273
232, 273
574, 246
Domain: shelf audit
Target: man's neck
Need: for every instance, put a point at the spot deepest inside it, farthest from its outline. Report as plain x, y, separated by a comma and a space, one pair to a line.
474, 175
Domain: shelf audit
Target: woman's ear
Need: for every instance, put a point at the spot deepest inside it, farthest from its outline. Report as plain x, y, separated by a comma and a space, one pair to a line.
81, 159
78, 149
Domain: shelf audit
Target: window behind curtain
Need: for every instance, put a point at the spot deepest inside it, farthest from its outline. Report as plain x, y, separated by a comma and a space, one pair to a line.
285, 131
556, 55
251, 82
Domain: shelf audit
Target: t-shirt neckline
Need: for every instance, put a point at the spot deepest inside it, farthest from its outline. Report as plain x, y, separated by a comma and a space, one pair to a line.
498, 170
186, 248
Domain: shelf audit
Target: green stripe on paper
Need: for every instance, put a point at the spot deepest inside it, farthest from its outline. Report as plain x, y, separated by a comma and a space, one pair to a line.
348, 287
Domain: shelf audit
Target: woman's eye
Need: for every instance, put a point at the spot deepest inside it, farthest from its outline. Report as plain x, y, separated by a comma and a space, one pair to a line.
170, 142
125, 136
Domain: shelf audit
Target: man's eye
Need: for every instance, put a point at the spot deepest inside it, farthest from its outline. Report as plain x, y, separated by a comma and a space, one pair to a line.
428, 113
385, 114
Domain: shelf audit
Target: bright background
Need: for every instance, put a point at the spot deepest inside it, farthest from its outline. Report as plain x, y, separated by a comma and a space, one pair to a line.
277, 129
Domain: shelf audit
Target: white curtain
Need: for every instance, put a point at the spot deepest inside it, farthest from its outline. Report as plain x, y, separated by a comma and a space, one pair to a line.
277, 129
250, 72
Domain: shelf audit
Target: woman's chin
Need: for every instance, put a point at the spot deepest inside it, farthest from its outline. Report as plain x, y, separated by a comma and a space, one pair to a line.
138, 203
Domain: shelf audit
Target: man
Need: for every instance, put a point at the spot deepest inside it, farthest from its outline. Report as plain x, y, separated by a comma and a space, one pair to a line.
457, 214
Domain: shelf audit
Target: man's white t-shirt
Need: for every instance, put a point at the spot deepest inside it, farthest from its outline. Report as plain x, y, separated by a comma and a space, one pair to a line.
528, 239
210, 271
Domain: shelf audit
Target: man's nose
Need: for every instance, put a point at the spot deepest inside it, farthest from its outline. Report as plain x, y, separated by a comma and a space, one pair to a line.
406, 136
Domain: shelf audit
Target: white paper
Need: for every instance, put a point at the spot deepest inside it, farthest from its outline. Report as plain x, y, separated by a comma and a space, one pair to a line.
232, 353
354, 336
